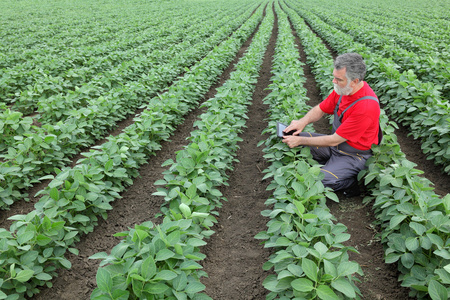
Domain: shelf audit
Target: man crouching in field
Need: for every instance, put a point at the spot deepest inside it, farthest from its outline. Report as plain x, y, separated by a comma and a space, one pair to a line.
356, 126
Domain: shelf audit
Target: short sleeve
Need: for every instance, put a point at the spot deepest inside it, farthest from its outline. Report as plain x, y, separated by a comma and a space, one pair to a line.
328, 105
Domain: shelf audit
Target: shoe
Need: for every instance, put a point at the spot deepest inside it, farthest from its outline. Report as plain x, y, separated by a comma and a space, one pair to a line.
352, 191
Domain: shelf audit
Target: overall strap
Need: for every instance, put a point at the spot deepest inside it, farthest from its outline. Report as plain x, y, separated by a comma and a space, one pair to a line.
362, 98
337, 105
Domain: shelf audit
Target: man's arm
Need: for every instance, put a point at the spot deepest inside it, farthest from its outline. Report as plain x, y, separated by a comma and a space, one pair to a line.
315, 141
312, 116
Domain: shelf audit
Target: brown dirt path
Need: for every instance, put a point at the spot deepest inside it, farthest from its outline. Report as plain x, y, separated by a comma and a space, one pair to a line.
234, 258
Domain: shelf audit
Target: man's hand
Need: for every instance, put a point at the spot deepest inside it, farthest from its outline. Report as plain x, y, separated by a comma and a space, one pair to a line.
312, 116
297, 125
315, 141
292, 140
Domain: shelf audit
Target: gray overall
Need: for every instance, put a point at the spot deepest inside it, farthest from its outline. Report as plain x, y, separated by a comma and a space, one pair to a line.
342, 163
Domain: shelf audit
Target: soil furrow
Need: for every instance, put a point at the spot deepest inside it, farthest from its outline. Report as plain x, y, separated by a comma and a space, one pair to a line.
234, 258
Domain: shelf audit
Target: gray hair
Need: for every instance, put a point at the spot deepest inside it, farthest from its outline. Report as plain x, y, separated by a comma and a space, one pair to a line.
354, 64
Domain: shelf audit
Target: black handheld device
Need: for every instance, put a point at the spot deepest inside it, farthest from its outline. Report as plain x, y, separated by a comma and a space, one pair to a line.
281, 127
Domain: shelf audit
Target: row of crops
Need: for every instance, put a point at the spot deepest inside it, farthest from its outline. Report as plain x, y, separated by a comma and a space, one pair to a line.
78, 88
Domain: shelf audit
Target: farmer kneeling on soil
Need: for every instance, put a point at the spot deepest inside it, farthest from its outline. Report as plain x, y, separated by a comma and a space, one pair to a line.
355, 126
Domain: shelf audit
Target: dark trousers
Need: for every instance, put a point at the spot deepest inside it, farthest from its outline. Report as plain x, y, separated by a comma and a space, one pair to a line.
341, 164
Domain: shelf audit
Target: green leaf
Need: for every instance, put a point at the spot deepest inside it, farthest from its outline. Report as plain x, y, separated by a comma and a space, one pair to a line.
24, 275
310, 269
190, 265
120, 295
417, 227
164, 254
447, 268
437, 291
407, 260
298, 188
148, 268
25, 237
54, 194
321, 248
156, 288
191, 192
442, 253
180, 282
326, 293
344, 286
195, 287
195, 242
44, 276
104, 280
70, 235
180, 295
347, 268
396, 220
185, 210
165, 275
332, 196
109, 165
137, 286
295, 270
412, 243
386, 179
391, 258
99, 255
302, 285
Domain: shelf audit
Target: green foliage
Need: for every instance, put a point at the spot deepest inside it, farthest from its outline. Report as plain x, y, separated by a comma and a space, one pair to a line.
76, 197
160, 262
76, 120
412, 100
414, 220
309, 259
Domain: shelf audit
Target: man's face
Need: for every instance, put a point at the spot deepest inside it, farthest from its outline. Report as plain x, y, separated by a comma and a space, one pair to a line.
342, 86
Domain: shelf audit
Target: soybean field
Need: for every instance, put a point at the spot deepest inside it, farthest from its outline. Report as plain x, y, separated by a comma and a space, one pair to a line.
139, 156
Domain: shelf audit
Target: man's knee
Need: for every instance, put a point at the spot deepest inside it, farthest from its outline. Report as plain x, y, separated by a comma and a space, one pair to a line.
333, 181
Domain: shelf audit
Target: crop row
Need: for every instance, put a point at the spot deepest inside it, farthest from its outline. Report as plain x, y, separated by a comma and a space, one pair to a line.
426, 62
309, 259
43, 75
415, 222
49, 28
427, 40
74, 39
421, 19
159, 261
410, 101
110, 84
39, 152
34, 248
58, 87
404, 36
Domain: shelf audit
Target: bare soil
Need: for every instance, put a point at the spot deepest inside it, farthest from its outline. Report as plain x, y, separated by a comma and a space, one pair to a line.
234, 258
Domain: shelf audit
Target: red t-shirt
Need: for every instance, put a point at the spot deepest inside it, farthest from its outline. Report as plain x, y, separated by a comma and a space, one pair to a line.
360, 122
